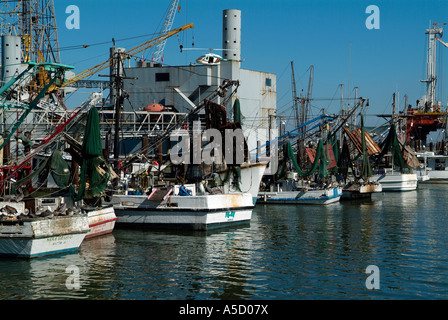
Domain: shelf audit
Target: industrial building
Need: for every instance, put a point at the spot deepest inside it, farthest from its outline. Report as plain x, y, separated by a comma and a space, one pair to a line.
174, 90
180, 88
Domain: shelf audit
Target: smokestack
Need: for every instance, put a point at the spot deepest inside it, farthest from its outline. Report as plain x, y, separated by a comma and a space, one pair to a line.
231, 37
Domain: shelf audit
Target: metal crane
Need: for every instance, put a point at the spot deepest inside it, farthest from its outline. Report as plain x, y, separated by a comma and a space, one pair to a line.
55, 72
126, 54
168, 23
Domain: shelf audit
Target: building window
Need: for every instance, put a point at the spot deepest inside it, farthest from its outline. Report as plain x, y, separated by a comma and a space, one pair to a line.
162, 77
268, 82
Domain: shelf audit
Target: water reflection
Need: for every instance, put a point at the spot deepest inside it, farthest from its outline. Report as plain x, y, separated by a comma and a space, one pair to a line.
181, 264
41, 278
287, 252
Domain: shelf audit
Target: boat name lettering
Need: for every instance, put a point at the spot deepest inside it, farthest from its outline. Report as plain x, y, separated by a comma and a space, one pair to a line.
230, 215
59, 239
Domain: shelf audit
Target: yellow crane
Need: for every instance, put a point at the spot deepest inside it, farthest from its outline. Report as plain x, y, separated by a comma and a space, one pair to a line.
126, 54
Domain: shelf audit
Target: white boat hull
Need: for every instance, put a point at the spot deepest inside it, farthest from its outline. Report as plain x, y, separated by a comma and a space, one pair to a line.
309, 196
422, 176
33, 248
396, 181
201, 212
101, 221
438, 176
434, 166
251, 175
42, 236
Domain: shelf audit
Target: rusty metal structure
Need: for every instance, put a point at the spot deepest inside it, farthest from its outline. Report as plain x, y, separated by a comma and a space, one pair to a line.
356, 138
428, 116
420, 123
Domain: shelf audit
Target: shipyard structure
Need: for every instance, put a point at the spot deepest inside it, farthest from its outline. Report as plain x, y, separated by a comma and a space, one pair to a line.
151, 96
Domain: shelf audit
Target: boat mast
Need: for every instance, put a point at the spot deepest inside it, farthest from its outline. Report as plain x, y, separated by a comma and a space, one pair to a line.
117, 96
392, 127
342, 111
294, 94
308, 95
305, 101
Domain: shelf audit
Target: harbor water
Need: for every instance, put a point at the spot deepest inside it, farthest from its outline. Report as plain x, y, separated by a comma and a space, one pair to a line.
286, 253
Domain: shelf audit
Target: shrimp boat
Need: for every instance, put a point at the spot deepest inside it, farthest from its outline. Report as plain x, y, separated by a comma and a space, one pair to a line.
294, 191
398, 163
101, 219
169, 208
434, 166
26, 232
391, 180
203, 200
223, 201
97, 170
288, 193
97, 217
359, 185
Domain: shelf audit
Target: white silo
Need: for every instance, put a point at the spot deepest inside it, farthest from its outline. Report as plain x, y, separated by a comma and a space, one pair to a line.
11, 56
231, 38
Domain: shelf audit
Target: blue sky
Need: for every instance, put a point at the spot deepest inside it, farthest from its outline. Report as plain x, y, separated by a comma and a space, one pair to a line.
331, 35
